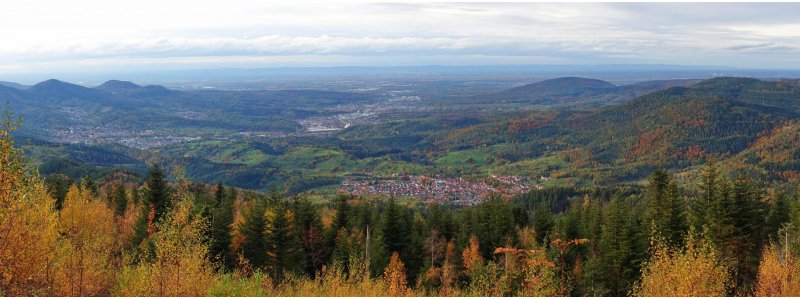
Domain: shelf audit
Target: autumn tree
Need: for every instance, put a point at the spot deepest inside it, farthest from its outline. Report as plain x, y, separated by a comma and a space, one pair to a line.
778, 274
28, 222
395, 277
471, 256
179, 267
691, 272
86, 226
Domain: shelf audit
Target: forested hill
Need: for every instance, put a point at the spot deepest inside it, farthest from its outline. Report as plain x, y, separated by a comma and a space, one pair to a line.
579, 92
54, 105
677, 127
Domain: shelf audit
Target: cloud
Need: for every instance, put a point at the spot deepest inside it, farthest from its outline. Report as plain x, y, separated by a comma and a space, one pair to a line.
41, 34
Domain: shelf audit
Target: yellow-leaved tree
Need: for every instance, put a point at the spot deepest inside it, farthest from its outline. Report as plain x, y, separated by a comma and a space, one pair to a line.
778, 274
395, 277
691, 272
88, 240
27, 223
179, 266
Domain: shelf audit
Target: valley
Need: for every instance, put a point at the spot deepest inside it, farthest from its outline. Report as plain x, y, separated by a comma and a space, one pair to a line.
576, 131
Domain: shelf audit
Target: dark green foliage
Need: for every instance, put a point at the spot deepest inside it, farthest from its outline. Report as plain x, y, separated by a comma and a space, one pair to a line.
254, 244
284, 253
620, 256
395, 230
493, 223
542, 222
778, 215
58, 186
665, 213
158, 194
221, 227
87, 183
119, 199
311, 235
732, 216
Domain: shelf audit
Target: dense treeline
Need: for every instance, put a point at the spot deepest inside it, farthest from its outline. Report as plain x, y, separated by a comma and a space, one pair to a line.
725, 237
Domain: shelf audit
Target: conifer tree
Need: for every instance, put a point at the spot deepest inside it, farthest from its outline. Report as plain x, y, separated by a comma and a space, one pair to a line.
284, 254
542, 222
665, 210
119, 199
310, 231
221, 228
396, 234
778, 214
157, 191
254, 245
617, 248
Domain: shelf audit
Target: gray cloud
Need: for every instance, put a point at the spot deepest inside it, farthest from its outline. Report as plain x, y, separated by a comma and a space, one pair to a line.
767, 35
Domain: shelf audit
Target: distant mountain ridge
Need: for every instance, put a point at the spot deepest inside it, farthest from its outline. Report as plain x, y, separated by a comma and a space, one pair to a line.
579, 92
117, 85
13, 85
53, 105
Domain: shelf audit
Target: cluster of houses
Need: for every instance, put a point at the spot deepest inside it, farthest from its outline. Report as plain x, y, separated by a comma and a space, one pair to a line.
455, 190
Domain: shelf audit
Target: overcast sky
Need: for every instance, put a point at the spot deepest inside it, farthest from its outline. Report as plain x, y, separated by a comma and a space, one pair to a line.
143, 35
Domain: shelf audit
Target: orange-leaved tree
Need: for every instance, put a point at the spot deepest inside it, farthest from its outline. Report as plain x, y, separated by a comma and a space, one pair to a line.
778, 274
28, 222
472, 255
395, 277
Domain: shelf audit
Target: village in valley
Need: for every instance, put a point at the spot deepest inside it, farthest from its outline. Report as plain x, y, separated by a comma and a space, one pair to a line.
452, 190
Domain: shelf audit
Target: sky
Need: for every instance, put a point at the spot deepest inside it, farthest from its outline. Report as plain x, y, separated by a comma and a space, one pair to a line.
59, 36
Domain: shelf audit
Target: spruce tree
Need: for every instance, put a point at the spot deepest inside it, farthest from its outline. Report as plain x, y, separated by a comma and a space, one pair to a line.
396, 234
779, 211
617, 249
665, 210
284, 254
157, 191
119, 199
221, 229
254, 245
542, 222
